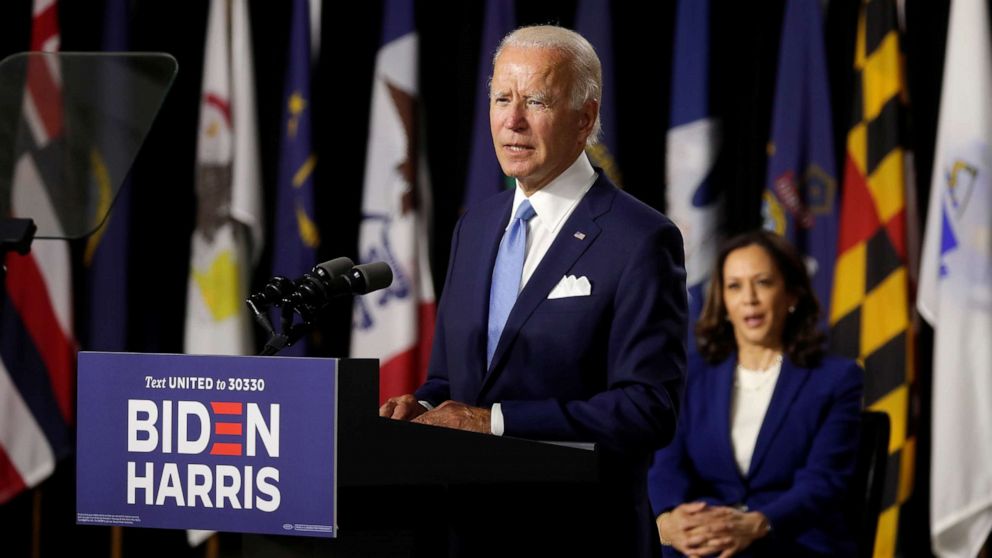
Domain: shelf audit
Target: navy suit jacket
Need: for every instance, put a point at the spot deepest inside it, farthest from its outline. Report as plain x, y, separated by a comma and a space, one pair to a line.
606, 368
802, 463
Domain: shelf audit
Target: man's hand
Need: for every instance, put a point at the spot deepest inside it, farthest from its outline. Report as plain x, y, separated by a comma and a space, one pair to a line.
453, 414
403, 407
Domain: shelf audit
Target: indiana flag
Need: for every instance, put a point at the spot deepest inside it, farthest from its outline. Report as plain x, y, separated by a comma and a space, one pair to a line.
396, 324
37, 348
228, 235
485, 178
800, 199
296, 234
594, 21
693, 143
869, 310
955, 294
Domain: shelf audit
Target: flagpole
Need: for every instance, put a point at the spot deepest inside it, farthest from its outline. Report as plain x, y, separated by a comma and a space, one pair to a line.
36, 523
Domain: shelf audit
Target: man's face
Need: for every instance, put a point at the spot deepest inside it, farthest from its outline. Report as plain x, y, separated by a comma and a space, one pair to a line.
536, 132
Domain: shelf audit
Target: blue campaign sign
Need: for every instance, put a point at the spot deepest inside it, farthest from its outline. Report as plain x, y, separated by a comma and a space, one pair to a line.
225, 443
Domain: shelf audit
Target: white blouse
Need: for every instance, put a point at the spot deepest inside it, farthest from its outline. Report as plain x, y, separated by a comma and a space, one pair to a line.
752, 394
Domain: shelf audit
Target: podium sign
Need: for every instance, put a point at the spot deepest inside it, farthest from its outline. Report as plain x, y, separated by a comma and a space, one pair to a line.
242, 444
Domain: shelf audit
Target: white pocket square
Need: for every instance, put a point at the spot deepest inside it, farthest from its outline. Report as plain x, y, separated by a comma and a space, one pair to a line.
571, 286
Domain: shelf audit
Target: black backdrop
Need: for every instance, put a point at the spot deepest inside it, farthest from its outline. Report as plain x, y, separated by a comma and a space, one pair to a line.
745, 44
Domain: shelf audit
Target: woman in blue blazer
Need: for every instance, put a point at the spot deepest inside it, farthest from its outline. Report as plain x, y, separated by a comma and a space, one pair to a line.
768, 433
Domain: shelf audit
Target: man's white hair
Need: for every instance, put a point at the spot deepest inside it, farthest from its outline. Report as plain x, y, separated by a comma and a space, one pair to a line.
580, 57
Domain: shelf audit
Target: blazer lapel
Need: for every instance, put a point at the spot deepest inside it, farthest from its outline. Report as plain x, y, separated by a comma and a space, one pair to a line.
790, 380
722, 391
564, 251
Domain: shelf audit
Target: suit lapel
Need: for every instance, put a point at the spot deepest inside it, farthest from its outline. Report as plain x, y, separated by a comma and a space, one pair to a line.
790, 380
561, 256
487, 248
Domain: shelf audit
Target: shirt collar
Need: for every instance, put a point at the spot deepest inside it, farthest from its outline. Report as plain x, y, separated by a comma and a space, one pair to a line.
556, 200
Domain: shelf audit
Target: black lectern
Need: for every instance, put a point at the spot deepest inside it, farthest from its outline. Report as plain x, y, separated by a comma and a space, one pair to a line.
402, 485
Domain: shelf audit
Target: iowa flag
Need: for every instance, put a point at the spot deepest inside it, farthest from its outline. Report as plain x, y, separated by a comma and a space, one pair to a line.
869, 312
956, 290
396, 324
228, 235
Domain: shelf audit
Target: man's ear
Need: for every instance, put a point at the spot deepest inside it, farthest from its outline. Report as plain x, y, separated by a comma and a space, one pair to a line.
587, 117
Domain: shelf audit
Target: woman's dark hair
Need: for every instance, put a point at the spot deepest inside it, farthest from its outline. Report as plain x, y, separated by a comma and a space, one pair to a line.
802, 341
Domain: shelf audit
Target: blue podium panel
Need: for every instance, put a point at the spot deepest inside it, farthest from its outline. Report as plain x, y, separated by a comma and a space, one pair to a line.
225, 443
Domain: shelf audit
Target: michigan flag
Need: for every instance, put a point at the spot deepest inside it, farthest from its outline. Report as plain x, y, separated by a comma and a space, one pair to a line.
800, 199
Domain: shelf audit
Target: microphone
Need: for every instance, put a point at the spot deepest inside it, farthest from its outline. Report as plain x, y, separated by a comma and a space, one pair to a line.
323, 282
278, 289
365, 278
310, 294
338, 277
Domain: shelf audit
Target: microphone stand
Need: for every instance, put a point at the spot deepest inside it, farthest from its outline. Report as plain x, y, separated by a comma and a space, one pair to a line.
277, 293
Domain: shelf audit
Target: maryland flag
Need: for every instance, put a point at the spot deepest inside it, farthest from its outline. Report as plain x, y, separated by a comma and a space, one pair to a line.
869, 314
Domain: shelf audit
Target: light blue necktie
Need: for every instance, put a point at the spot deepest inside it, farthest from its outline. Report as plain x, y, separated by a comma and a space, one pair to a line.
506, 275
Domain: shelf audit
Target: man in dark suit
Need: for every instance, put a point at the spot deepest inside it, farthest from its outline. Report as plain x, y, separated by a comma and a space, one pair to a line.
563, 315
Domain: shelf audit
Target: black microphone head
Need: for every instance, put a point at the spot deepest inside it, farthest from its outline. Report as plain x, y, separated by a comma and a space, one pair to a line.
369, 277
332, 275
335, 267
325, 281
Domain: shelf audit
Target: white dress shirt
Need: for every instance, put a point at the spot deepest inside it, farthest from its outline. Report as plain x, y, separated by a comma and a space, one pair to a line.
552, 205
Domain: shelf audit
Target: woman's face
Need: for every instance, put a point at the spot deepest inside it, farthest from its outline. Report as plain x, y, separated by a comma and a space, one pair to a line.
756, 298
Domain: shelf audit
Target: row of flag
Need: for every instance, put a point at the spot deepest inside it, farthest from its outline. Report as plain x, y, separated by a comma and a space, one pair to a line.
856, 233
37, 344
395, 324
859, 235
